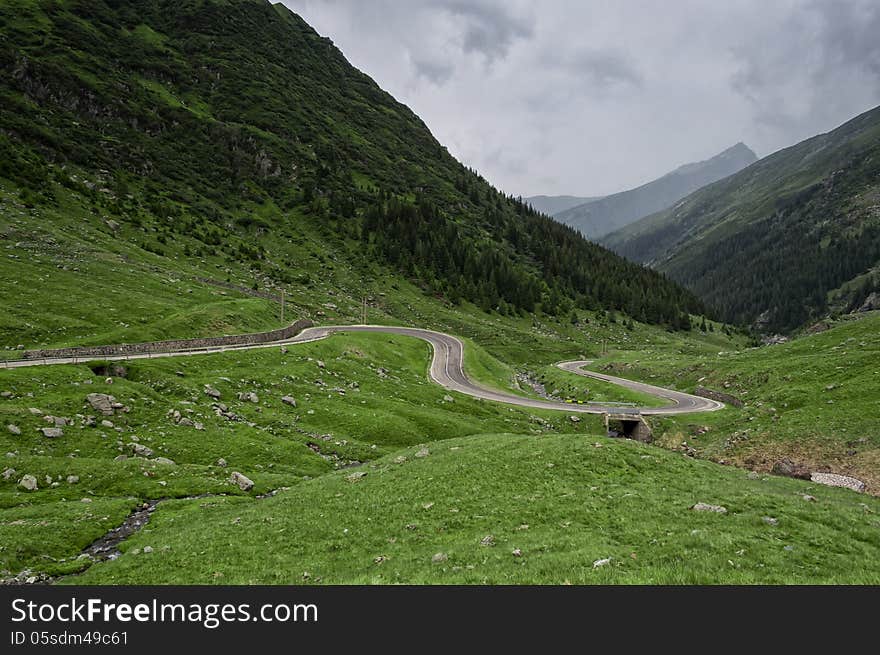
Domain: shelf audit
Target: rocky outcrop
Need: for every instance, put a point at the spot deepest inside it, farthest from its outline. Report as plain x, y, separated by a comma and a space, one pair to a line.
871, 303
791, 469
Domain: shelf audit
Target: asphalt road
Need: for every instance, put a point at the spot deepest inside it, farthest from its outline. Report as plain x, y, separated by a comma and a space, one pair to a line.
446, 370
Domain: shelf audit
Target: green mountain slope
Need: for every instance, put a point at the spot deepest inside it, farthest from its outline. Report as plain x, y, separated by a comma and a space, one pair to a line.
597, 218
773, 242
205, 129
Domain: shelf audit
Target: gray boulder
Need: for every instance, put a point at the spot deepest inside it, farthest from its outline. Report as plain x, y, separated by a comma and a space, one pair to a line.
28, 483
705, 507
52, 433
244, 483
101, 402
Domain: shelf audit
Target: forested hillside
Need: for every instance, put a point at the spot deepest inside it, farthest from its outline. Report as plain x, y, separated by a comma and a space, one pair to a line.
785, 241
207, 125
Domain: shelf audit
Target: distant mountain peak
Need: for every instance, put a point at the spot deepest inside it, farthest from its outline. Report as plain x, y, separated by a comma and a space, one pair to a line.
600, 217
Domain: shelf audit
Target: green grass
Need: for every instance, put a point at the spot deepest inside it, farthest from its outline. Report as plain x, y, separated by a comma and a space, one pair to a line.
815, 399
565, 501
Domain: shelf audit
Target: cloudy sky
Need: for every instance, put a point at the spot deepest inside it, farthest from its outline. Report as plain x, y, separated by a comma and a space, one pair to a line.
590, 97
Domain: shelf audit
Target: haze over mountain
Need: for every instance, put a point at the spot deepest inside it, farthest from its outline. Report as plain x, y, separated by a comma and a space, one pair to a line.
551, 205
784, 241
600, 217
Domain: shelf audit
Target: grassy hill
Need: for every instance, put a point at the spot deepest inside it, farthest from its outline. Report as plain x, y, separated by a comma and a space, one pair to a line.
495, 509
778, 243
596, 218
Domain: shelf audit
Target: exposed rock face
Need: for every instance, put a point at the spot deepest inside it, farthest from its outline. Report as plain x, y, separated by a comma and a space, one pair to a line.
101, 402
835, 480
244, 483
720, 396
871, 303
791, 469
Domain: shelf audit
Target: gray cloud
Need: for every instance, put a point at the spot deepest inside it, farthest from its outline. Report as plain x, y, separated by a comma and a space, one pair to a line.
489, 27
565, 96
437, 71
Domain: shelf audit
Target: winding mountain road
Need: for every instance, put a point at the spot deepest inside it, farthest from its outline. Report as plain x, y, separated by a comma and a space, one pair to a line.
447, 371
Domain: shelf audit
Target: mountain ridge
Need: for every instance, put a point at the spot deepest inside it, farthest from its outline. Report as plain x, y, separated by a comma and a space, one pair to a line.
610, 213
773, 244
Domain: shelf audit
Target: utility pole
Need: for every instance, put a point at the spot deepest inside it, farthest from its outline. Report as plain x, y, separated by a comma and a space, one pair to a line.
282, 307
364, 319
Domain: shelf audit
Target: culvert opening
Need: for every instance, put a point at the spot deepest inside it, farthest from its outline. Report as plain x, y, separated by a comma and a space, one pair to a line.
628, 426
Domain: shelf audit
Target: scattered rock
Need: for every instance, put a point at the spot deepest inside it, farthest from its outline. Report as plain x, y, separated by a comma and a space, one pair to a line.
289, 400
148, 549
8, 473
356, 476
790, 469
753, 475
321, 364
35, 411
601, 562
72, 479
106, 424
164, 460
28, 483
52, 433
448, 399
769, 520
705, 507
141, 450
422, 452
13, 429
85, 500
5, 394
574, 419
244, 483
221, 463
249, 396
488, 540
809, 498
516, 552
101, 402
212, 392
439, 557
835, 480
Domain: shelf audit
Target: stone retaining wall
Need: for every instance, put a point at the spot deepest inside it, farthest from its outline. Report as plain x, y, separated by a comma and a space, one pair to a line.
720, 396
170, 346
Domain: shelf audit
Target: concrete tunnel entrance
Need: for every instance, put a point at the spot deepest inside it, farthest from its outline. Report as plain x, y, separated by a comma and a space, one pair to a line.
628, 426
